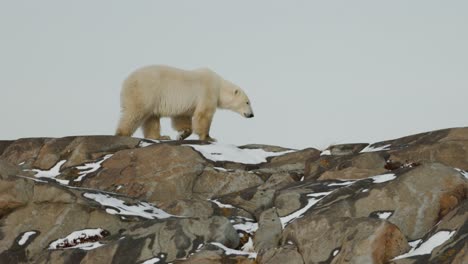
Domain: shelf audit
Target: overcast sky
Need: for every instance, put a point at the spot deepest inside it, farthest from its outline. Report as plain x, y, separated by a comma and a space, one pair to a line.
317, 72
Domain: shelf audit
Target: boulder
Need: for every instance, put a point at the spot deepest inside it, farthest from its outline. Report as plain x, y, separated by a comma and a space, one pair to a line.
106, 199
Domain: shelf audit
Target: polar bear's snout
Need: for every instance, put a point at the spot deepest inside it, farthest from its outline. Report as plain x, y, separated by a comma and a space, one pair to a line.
249, 115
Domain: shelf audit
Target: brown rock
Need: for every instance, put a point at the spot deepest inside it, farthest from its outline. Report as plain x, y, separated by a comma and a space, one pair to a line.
178, 238
14, 194
449, 153
45, 194
4, 144
51, 152
83, 149
23, 150
290, 162
346, 149
352, 240
158, 173
356, 166
252, 200
338, 221
213, 182
269, 231
214, 257
351, 173
416, 199
285, 254
189, 208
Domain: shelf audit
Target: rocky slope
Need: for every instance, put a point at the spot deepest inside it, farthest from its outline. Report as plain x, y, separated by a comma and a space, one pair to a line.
105, 199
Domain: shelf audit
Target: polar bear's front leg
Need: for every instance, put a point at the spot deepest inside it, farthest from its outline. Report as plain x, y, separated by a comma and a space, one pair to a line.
152, 128
201, 123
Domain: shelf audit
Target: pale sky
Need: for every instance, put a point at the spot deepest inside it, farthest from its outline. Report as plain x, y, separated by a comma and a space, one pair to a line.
317, 72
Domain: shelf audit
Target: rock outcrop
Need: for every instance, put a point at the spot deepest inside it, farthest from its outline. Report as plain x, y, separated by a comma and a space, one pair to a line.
106, 199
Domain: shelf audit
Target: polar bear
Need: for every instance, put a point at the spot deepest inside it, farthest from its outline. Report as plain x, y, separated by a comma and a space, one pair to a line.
189, 97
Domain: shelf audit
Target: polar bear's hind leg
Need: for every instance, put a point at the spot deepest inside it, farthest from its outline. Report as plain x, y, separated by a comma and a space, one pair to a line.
128, 124
152, 128
183, 125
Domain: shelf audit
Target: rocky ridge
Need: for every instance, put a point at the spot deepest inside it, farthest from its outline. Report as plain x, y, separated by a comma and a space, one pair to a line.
107, 199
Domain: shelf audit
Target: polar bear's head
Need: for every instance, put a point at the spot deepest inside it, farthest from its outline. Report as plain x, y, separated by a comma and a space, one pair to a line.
235, 99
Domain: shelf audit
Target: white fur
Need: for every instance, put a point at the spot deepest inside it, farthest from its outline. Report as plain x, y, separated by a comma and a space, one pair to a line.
163, 91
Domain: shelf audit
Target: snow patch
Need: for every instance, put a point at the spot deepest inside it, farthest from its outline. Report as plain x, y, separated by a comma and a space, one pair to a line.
221, 152
462, 172
118, 207
79, 239
230, 251
345, 183
249, 226
221, 205
325, 153
384, 215
147, 142
248, 247
370, 148
52, 173
285, 220
427, 246
26, 237
91, 167
335, 252
152, 261
383, 178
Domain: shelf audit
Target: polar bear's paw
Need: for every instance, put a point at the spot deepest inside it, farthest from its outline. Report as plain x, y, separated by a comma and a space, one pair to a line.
210, 139
183, 134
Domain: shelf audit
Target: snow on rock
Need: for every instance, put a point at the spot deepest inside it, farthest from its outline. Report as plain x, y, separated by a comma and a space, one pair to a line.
221, 169
118, 207
152, 261
326, 152
245, 224
384, 215
221, 205
91, 167
427, 246
230, 251
285, 220
85, 239
375, 179
25, 237
343, 183
222, 152
370, 148
335, 252
147, 142
462, 172
52, 173
248, 246
383, 178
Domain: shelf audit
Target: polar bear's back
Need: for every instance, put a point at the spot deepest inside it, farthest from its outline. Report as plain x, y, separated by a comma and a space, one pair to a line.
166, 91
